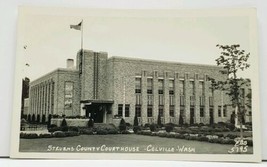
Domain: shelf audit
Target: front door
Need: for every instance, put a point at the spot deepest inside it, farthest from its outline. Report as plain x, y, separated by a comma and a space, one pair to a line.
95, 112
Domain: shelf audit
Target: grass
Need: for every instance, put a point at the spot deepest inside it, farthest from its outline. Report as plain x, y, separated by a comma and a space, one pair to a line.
41, 144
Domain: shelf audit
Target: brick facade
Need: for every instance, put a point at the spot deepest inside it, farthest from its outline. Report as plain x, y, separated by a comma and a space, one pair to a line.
109, 85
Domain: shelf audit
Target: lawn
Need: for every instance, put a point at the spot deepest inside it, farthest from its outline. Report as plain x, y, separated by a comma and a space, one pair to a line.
134, 143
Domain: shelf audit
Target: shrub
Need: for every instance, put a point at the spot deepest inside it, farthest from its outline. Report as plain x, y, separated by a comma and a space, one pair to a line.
28, 135
147, 125
148, 133
122, 125
136, 129
153, 127
49, 120
112, 131
214, 140
220, 135
101, 132
232, 136
162, 134
38, 120
181, 120
179, 136
86, 131
203, 138
33, 117
230, 126
168, 128
59, 134
125, 132
249, 142
29, 118
64, 123
170, 135
46, 135
71, 133
43, 119
91, 123
73, 128
227, 141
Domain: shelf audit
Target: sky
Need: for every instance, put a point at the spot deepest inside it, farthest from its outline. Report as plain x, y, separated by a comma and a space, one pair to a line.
189, 39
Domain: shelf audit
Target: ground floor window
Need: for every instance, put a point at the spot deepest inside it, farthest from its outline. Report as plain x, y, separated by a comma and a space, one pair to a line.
127, 110
224, 111
172, 110
202, 112
149, 111
161, 110
219, 111
138, 110
120, 110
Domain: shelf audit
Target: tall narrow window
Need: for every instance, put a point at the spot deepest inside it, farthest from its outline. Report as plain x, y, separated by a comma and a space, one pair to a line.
202, 111
68, 95
161, 100
138, 99
219, 111
137, 85
149, 99
171, 100
120, 106
224, 111
192, 87
201, 88
138, 110
181, 87
172, 111
149, 111
127, 110
160, 86
171, 87
161, 110
149, 86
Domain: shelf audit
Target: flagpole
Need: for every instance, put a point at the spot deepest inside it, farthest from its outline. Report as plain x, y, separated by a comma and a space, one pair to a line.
82, 36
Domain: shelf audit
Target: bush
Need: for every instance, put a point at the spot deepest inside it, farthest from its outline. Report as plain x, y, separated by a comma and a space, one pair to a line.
49, 120
43, 119
230, 126
29, 118
46, 135
28, 135
73, 128
87, 131
91, 123
112, 131
159, 121
33, 117
136, 129
162, 134
181, 120
122, 125
168, 128
101, 132
203, 138
249, 142
59, 134
71, 133
179, 136
38, 118
63, 123
153, 127
214, 140
232, 136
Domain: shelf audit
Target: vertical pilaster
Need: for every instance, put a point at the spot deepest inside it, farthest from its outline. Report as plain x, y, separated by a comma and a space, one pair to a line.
166, 98
187, 98
197, 99
206, 94
176, 98
155, 96
144, 97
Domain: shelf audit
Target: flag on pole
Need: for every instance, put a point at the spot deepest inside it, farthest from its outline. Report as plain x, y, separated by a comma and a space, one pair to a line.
76, 27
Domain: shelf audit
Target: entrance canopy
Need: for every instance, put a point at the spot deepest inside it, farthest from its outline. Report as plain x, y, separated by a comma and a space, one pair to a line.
97, 101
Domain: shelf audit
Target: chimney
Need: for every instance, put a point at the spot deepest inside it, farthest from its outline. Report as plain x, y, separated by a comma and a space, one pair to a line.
70, 63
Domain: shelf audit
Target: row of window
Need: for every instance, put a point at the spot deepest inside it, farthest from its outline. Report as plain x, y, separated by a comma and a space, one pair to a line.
150, 100
138, 87
138, 111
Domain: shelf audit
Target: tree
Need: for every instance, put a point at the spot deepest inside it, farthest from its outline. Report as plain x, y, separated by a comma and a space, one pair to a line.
233, 60
159, 121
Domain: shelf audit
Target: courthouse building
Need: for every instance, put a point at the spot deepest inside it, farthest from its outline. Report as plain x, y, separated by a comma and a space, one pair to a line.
118, 87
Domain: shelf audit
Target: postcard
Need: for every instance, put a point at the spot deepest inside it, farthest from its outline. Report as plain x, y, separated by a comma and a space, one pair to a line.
137, 84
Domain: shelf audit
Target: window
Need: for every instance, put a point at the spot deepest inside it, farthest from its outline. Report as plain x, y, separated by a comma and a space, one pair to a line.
127, 110
182, 103
192, 87
211, 101
211, 92
160, 86
149, 99
137, 85
68, 95
138, 99
171, 100
192, 100
202, 100
224, 111
171, 111
171, 87
161, 100
219, 111
181, 87
120, 106
202, 111
149, 86
161, 110
138, 110
201, 87
149, 111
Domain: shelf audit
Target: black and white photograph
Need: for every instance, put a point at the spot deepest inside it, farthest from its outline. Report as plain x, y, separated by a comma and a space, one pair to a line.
137, 84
